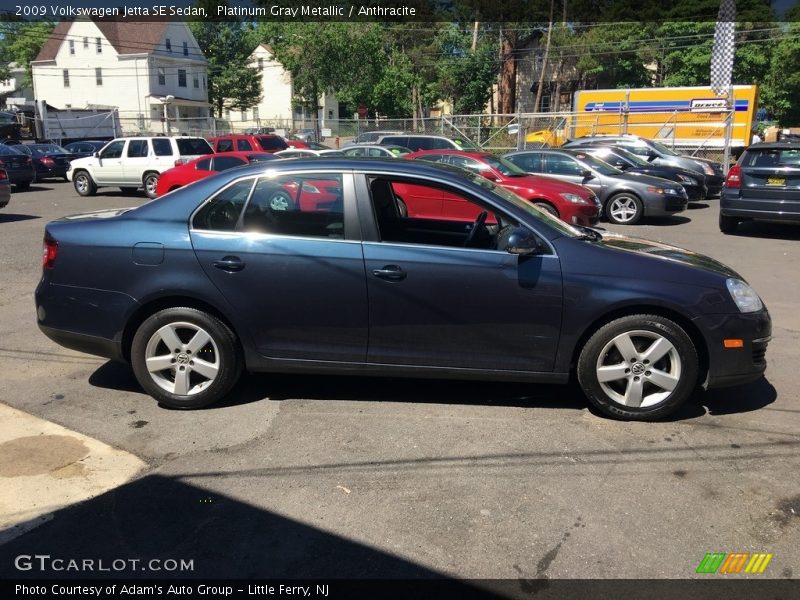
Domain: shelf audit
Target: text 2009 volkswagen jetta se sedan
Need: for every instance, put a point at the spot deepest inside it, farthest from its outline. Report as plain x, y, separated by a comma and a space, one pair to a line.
318, 265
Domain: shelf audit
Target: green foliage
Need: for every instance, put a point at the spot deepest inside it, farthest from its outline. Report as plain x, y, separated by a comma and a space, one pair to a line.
232, 82
463, 76
20, 42
781, 89
613, 55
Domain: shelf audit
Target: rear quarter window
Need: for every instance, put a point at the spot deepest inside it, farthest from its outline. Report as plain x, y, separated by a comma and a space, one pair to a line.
193, 146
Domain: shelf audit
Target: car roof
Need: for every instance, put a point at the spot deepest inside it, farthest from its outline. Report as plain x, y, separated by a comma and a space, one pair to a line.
453, 151
788, 145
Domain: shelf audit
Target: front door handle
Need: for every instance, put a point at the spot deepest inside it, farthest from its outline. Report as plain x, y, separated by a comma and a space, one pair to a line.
390, 273
230, 264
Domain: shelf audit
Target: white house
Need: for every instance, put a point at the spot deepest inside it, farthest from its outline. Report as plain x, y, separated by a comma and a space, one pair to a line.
275, 108
147, 70
13, 91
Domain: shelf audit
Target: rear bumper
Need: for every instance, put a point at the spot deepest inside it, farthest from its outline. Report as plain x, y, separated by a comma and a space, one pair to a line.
733, 366
771, 209
20, 176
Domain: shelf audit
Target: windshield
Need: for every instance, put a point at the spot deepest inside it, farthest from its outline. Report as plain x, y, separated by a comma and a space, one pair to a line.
464, 144
50, 149
663, 149
537, 213
630, 157
598, 165
506, 167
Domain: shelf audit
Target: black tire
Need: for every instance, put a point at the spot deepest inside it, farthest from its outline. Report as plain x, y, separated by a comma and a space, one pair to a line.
150, 183
625, 204
678, 368
22, 186
84, 184
549, 208
221, 351
128, 191
728, 224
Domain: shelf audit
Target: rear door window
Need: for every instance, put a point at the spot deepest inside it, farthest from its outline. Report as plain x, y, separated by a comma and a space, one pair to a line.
243, 145
137, 148
224, 145
222, 212
223, 163
272, 143
162, 147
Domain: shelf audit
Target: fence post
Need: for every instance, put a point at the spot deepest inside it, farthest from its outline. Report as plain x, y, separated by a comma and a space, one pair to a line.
730, 104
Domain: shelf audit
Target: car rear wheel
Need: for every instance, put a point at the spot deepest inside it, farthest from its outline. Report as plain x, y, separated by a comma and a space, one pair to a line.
548, 207
84, 184
638, 368
150, 183
624, 209
185, 358
728, 224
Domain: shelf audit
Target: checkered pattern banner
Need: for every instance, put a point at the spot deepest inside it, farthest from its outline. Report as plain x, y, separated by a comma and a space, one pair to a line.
722, 55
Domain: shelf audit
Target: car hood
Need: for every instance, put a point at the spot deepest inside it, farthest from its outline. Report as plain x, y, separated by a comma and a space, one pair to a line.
666, 252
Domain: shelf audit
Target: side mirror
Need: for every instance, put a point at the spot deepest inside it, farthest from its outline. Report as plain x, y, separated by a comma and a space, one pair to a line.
96, 154
587, 174
651, 156
522, 241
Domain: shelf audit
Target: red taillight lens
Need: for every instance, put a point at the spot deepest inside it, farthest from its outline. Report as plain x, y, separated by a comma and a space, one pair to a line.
734, 179
2, 163
49, 253
47, 161
3, 175
27, 160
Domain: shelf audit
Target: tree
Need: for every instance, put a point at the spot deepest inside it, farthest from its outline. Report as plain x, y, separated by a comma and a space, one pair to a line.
232, 81
781, 87
20, 42
464, 75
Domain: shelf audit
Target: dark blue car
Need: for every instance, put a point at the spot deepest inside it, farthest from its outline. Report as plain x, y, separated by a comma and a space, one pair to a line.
313, 265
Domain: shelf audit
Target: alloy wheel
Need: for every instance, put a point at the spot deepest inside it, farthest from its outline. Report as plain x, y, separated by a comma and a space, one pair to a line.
182, 358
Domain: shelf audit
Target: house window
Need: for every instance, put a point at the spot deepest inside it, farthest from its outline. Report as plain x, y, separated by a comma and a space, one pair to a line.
169, 45
244, 115
98, 45
181, 77
227, 114
196, 80
255, 113
98, 76
204, 82
72, 46
185, 49
86, 43
260, 64
66, 77
162, 76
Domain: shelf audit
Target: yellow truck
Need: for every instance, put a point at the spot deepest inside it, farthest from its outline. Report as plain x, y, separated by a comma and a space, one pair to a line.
675, 116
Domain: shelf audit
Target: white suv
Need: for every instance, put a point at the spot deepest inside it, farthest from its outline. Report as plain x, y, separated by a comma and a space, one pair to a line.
131, 163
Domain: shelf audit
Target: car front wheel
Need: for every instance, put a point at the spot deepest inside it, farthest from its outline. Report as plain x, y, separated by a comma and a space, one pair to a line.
624, 209
185, 358
84, 184
638, 368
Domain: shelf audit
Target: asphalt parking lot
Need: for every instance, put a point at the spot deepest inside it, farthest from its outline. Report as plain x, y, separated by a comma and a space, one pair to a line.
300, 476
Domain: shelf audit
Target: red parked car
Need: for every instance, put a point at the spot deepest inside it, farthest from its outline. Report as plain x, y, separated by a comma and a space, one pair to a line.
570, 202
205, 166
263, 142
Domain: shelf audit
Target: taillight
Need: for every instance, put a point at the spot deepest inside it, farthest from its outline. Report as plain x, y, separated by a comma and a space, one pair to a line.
49, 252
180, 161
27, 160
734, 179
49, 162
3, 175
2, 163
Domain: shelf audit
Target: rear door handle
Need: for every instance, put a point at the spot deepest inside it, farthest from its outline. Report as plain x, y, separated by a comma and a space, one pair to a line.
230, 264
390, 273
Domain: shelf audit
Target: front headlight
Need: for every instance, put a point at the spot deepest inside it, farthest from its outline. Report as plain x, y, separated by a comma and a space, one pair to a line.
574, 198
744, 296
660, 190
687, 180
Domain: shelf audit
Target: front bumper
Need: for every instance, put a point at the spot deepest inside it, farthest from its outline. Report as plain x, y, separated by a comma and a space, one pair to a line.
661, 205
733, 366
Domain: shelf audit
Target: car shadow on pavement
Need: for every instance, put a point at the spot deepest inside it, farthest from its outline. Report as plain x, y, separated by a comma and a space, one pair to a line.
739, 399
773, 231
13, 218
697, 205
35, 188
666, 221
175, 528
253, 387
